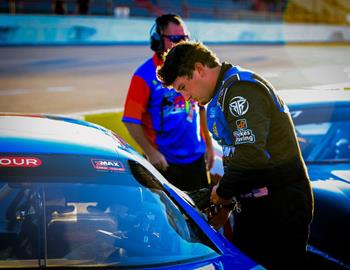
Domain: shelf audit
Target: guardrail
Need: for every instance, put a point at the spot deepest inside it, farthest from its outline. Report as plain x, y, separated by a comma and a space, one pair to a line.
82, 30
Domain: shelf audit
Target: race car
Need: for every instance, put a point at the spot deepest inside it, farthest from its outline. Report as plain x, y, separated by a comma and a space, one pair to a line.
322, 124
74, 194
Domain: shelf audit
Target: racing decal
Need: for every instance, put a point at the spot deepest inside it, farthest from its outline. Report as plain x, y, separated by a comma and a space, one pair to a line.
24, 162
173, 103
241, 123
243, 134
157, 85
238, 106
220, 98
108, 165
212, 112
215, 130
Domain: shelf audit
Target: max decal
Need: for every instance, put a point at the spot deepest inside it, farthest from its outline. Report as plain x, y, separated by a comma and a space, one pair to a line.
107, 165
26, 162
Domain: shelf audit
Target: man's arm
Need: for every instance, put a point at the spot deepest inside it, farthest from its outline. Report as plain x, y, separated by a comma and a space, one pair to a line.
153, 155
209, 154
135, 105
247, 111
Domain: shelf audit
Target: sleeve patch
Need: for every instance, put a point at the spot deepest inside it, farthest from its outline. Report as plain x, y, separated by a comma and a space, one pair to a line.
238, 106
243, 135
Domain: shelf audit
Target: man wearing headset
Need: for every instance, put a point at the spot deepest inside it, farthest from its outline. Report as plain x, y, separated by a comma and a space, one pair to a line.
172, 132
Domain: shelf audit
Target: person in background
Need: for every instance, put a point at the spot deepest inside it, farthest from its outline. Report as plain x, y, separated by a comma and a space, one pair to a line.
59, 7
171, 131
83, 7
265, 179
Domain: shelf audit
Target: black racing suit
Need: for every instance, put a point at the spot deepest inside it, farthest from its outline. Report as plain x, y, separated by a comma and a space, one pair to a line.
261, 151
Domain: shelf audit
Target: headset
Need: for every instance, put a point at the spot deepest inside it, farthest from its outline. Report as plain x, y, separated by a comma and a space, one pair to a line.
156, 39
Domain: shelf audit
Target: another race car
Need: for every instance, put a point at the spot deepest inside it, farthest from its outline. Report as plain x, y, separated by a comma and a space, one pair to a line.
73, 194
322, 123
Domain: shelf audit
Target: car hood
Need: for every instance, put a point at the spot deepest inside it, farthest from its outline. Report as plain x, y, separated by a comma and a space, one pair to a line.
224, 262
329, 171
331, 218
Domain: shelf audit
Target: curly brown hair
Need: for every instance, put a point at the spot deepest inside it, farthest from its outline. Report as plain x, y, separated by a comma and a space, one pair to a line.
180, 61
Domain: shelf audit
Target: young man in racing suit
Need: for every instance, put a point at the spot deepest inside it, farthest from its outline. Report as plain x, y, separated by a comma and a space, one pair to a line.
263, 168
169, 129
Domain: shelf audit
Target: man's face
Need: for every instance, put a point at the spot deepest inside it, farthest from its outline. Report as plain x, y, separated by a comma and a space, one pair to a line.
196, 88
173, 34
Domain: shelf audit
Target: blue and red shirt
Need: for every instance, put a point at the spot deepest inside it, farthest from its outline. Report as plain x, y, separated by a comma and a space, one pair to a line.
171, 124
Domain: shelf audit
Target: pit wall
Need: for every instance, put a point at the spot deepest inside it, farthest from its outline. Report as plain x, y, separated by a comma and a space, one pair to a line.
89, 30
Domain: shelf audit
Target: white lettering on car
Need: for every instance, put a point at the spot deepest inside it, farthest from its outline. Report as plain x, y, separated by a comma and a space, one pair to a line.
29, 162
107, 165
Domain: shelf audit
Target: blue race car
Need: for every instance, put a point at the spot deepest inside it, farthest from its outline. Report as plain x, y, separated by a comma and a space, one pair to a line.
322, 123
73, 194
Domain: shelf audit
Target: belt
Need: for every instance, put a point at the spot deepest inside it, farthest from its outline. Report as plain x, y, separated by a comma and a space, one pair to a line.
256, 193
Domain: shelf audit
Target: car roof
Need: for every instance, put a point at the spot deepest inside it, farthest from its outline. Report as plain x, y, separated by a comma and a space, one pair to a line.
55, 135
67, 146
314, 96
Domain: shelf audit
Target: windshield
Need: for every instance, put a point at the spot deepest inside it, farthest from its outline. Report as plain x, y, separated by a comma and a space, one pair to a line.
323, 133
90, 224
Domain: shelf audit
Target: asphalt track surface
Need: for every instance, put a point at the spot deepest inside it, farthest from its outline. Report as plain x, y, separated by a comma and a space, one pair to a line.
64, 80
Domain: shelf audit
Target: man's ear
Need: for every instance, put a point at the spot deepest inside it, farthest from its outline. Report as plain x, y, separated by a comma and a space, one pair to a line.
199, 67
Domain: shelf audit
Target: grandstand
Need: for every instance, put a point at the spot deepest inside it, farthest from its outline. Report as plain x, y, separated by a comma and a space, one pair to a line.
199, 9
293, 11
318, 11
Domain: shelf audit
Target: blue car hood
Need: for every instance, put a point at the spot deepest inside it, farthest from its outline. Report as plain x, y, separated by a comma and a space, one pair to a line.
329, 171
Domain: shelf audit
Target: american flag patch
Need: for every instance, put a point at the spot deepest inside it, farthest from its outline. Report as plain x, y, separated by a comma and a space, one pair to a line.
256, 193
260, 192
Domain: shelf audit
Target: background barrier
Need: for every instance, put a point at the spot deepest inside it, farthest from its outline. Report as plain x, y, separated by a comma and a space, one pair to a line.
112, 121
90, 30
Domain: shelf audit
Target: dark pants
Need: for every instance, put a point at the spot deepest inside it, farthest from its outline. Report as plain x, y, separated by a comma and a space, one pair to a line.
188, 177
273, 230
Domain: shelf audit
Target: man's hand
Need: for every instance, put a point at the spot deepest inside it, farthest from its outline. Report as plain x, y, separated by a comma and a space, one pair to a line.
220, 218
157, 159
215, 199
153, 155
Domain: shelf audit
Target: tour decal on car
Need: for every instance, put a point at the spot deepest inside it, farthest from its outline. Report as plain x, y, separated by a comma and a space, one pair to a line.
13, 161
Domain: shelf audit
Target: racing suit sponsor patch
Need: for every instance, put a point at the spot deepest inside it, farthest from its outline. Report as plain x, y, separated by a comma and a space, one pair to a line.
241, 124
243, 134
238, 106
215, 130
107, 165
212, 112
